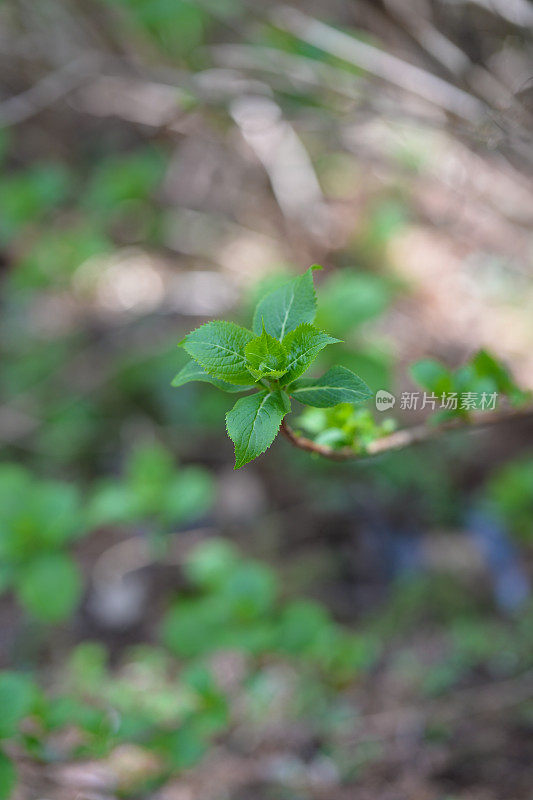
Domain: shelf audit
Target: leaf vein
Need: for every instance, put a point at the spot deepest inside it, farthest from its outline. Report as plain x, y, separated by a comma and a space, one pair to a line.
282, 332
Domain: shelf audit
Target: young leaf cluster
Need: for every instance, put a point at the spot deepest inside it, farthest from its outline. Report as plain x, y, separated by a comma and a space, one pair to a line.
269, 360
344, 426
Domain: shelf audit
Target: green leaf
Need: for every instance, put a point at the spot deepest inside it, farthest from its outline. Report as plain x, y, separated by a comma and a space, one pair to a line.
338, 385
58, 509
195, 627
6, 576
464, 379
266, 357
486, 366
123, 178
302, 346
195, 372
219, 348
181, 748
211, 563
349, 298
490, 371
149, 464
111, 504
249, 591
301, 627
189, 496
17, 695
253, 423
8, 777
431, 375
282, 310
50, 587
87, 665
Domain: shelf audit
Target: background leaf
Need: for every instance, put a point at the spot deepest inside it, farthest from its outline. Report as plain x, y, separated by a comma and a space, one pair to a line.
8, 777
189, 495
432, 375
50, 587
17, 695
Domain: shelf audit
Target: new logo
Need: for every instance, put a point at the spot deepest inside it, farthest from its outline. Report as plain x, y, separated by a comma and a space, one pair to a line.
384, 400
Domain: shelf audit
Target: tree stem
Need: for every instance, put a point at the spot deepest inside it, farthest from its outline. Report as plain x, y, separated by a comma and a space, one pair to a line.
405, 437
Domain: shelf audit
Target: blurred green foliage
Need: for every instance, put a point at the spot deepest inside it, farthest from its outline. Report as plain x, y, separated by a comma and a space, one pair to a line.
175, 708
344, 426
483, 376
122, 179
510, 491
84, 382
27, 197
153, 492
39, 520
236, 607
167, 700
178, 27
55, 255
349, 298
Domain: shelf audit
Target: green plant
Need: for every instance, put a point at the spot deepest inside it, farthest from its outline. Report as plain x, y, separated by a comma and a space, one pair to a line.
177, 26
153, 491
38, 521
28, 196
284, 344
510, 491
344, 426
121, 179
235, 605
483, 375
19, 697
166, 700
52, 258
270, 360
349, 298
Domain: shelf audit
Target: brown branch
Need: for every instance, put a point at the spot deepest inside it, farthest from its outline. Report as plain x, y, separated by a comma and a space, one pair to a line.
379, 63
405, 437
48, 90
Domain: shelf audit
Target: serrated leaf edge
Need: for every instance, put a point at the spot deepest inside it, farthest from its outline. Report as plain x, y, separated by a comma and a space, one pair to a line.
332, 340
311, 269
209, 371
242, 464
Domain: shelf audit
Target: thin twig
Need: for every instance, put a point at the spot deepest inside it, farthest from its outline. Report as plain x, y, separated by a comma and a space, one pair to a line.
47, 91
405, 437
517, 12
380, 63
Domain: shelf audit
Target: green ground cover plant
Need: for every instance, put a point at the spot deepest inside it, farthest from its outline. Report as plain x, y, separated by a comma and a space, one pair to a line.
164, 697
39, 523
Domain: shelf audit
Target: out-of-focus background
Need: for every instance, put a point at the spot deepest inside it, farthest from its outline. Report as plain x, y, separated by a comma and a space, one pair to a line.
296, 630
